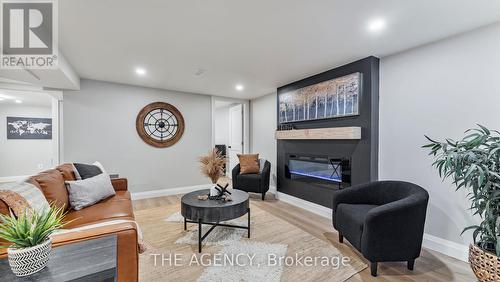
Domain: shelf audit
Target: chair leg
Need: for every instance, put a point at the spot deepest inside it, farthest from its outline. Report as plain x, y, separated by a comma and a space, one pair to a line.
411, 264
263, 196
341, 238
373, 268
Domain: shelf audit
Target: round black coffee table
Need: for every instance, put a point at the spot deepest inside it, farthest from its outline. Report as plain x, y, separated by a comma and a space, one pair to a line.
213, 212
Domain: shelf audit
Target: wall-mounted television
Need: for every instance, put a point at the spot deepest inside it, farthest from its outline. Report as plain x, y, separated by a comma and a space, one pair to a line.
338, 97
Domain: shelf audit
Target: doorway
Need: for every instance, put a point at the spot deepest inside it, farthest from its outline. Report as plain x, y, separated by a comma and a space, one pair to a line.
235, 134
29, 132
229, 130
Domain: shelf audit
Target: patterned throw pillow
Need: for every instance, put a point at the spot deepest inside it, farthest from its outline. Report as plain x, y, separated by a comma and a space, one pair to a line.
249, 163
84, 171
20, 196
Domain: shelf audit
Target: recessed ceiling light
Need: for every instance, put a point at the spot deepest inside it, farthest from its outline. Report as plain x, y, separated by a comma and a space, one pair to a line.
140, 71
376, 25
239, 87
4, 97
18, 101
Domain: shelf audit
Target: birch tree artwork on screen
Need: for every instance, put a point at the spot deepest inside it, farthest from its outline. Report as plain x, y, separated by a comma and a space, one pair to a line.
328, 99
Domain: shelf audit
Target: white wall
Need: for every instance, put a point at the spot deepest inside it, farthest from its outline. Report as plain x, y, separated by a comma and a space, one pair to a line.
262, 127
24, 157
221, 128
99, 124
439, 90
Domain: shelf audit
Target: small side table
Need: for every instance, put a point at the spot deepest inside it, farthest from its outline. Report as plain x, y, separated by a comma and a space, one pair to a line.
91, 260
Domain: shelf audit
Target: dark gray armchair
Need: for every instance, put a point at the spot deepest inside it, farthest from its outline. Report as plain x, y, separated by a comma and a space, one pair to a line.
256, 183
384, 220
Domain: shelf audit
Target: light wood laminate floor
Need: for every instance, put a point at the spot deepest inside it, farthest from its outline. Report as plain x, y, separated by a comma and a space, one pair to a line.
431, 266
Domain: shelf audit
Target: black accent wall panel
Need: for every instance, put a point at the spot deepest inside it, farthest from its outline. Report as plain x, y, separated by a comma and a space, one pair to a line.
363, 153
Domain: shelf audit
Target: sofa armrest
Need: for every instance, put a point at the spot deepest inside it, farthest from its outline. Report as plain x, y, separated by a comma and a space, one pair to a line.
394, 231
265, 177
62, 239
120, 184
127, 246
234, 174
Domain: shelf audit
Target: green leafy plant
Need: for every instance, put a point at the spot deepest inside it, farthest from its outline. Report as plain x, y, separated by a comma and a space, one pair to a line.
30, 228
473, 163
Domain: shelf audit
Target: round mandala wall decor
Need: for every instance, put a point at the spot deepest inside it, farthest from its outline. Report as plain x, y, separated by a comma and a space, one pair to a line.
160, 124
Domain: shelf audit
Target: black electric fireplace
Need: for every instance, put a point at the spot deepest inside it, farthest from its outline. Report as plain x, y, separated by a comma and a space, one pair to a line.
321, 170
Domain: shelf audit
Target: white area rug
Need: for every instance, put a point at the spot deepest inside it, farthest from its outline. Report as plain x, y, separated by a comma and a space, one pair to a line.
255, 267
220, 236
175, 217
163, 226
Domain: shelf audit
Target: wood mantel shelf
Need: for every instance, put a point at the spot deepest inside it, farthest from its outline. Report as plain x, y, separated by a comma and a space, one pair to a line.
351, 132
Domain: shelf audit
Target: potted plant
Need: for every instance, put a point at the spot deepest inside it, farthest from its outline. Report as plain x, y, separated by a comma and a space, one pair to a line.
29, 237
473, 163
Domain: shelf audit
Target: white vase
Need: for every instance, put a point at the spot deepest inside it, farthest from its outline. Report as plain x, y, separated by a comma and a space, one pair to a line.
214, 191
27, 261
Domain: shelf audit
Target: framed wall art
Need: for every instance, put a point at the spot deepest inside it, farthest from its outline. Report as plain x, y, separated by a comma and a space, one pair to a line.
29, 128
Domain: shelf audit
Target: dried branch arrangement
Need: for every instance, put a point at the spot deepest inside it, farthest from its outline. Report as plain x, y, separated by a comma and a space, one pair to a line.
212, 165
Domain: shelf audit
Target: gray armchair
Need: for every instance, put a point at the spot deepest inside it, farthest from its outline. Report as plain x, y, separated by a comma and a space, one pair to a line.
256, 183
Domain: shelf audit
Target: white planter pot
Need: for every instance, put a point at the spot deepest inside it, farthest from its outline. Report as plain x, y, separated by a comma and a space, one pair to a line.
29, 260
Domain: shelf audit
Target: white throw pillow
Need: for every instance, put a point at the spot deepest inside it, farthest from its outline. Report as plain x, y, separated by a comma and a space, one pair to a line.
30, 192
84, 193
99, 165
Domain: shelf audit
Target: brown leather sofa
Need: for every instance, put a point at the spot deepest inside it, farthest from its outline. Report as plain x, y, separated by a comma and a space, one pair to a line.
118, 207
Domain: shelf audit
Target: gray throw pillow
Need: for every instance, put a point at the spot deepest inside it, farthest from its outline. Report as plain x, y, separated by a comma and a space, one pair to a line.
84, 193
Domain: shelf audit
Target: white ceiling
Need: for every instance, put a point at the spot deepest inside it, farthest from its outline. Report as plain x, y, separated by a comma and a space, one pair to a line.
261, 44
62, 77
28, 98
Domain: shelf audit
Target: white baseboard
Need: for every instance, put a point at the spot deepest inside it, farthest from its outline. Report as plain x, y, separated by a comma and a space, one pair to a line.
449, 248
308, 206
272, 189
431, 242
168, 191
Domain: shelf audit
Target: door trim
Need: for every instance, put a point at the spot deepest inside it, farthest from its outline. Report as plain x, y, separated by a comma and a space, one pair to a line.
235, 136
246, 120
57, 125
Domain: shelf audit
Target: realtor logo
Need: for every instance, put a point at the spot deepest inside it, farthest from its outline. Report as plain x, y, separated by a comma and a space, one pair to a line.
28, 34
